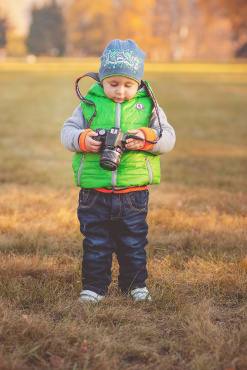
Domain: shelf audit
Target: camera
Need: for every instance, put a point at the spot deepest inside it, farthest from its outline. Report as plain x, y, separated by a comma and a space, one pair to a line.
113, 146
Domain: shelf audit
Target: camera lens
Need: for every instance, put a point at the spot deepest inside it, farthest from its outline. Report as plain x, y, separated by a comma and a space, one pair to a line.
110, 159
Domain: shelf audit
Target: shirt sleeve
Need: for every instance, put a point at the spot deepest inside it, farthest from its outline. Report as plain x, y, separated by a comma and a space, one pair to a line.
72, 128
168, 139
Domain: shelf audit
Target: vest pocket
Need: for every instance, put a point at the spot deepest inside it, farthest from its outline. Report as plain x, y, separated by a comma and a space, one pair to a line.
80, 169
150, 172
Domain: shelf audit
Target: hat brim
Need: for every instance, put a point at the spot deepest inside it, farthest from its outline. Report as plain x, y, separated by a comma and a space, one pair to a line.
119, 74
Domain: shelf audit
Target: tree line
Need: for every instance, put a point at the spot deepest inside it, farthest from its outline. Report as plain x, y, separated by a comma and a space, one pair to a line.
166, 29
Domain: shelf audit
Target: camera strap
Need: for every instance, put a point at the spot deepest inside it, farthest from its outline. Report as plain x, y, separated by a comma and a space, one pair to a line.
157, 112
95, 76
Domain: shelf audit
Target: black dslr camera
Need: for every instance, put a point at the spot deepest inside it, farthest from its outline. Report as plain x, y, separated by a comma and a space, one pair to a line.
113, 145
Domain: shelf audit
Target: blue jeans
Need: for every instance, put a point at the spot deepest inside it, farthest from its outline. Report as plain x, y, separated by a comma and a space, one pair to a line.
113, 223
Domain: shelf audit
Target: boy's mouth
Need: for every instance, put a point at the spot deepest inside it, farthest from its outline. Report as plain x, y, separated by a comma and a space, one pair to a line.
119, 100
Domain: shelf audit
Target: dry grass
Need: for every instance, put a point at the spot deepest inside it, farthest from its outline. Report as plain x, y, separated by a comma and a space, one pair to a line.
197, 258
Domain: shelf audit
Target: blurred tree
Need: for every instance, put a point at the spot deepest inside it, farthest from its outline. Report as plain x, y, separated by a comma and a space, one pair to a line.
3, 32
89, 26
235, 10
242, 51
15, 44
47, 34
165, 29
172, 27
135, 19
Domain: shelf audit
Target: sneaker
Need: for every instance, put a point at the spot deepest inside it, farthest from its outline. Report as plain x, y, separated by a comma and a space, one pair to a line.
89, 296
140, 295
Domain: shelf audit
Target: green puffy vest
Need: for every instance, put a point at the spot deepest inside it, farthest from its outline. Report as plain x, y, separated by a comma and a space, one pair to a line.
136, 168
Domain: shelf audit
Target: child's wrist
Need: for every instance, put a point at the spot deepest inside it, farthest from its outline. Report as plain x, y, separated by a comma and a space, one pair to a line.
149, 135
82, 138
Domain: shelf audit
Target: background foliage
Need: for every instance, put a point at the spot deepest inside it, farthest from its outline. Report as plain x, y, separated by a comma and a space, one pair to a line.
165, 29
47, 31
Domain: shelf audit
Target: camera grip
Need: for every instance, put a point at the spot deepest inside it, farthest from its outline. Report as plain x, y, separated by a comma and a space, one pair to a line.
96, 138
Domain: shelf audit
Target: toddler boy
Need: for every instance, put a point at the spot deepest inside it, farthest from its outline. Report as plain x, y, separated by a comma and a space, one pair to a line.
113, 205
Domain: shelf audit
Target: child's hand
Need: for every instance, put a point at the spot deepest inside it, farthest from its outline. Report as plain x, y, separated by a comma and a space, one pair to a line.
91, 145
133, 144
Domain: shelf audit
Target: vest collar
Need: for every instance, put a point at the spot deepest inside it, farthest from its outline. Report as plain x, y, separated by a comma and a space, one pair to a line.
97, 89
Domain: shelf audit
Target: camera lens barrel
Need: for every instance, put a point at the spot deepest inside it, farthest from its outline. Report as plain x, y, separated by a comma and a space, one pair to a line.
110, 159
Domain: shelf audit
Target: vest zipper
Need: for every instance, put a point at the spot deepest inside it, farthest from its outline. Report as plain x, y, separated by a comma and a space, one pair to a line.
114, 179
118, 115
117, 124
150, 173
80, 169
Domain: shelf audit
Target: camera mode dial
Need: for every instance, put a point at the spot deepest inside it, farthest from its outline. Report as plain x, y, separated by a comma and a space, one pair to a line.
101, 132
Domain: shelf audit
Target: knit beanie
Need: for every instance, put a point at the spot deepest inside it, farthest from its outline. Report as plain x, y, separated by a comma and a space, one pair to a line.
122, 58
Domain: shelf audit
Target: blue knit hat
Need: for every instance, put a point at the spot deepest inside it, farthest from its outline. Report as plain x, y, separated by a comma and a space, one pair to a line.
122, 58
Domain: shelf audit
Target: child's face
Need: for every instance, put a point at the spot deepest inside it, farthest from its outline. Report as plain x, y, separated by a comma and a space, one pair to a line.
120, 88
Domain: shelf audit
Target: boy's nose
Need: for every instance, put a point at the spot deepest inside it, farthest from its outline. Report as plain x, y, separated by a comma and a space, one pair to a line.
120, 90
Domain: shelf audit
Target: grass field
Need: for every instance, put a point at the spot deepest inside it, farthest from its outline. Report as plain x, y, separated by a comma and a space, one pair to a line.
197, 251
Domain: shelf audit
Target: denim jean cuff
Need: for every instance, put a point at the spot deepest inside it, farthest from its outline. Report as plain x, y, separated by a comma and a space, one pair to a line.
125, 289
95, 289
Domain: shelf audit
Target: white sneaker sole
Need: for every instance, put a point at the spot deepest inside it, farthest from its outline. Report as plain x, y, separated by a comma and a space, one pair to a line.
141, 295
89, 296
